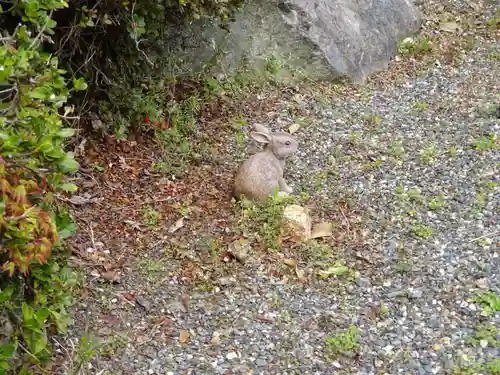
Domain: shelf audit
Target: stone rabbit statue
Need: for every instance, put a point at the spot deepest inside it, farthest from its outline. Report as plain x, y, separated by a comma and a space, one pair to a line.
262, 173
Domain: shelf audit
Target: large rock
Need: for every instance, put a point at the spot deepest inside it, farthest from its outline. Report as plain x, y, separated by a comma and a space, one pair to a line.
319, 39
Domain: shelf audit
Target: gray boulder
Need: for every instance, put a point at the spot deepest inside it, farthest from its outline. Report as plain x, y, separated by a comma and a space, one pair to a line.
318, 39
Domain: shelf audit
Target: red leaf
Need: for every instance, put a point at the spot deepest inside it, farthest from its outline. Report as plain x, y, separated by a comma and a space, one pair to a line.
129, 296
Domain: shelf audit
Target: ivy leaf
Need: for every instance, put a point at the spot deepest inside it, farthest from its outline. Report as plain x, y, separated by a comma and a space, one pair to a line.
71, 188
40, 93
67, 231
66, 132
79, 84
68, 164
6, 293
42, 315
7, 350
37, 342
27, 312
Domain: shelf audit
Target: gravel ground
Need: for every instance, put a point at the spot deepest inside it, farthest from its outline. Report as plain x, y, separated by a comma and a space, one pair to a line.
411, 158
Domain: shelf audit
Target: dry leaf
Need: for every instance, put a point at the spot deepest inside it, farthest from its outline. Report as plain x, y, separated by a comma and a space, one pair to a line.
184, 336
324, 229
300, 274
293, 128
110, 276
78, 200
134, 224
176, 226
215, 338
290, 262
129, 296
185, 301
449, 27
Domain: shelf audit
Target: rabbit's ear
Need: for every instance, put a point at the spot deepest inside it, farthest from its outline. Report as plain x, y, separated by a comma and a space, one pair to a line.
261, 137
261, 128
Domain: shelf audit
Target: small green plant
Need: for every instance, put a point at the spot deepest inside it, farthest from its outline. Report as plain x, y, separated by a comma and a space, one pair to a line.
373, 119
238, 125
494, 22
215, 246
480, 201
334, 269
487, 368
204, 286
403, 264
175, 140
486, 143
486, 333
88, 347
343, 343
383, 310
273, 64
495, 55
452, 151
422, 231
265, 217
490, 302
436, 203
396, 150
429, 154
320, 178
277, 302
492, 185
414, 46
420, 106
415, 195
150, 215
483, 242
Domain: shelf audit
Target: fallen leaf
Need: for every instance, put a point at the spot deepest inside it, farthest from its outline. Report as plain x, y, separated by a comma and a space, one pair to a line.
176, 226
290, 262
134, 224
449, 27
185, 301
166, 322
300, 274
324, 229
184, 336
215, 338
264, 319
143, 302
79, 200
129, 296
110, 276
111, 319
337, 270
293, 128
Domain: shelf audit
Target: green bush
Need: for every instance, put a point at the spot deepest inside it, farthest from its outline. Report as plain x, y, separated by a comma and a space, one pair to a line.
119, 47
36, 286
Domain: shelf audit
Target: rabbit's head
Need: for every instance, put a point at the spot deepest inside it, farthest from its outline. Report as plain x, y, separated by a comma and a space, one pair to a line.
281, 144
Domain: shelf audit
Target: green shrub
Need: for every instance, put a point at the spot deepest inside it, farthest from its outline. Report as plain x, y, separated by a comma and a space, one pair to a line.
36, 286
120, 48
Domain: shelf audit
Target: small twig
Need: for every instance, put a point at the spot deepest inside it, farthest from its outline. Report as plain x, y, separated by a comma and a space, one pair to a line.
20, 217
92, 239
347, 221
138, 41
485, 236
123, 297
41, 32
